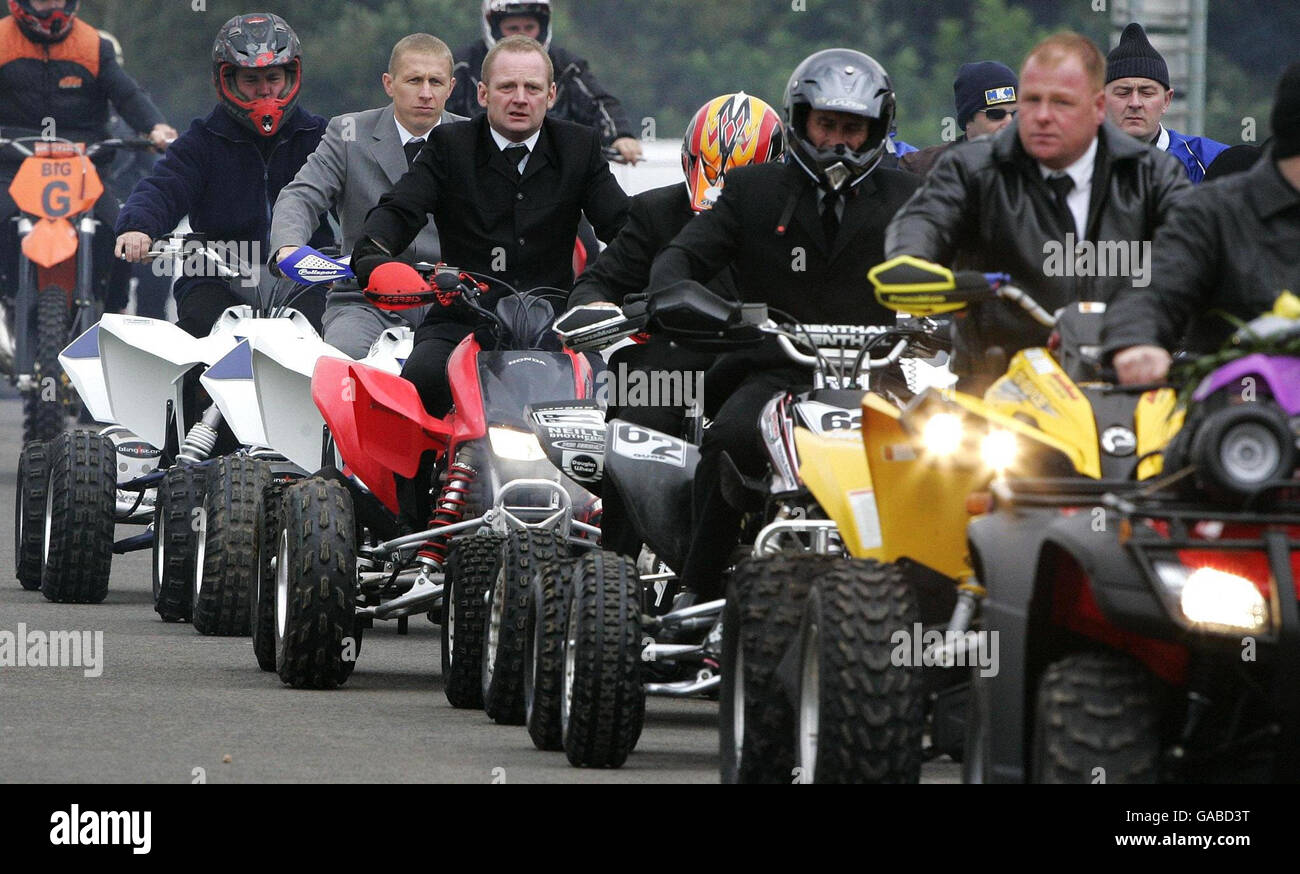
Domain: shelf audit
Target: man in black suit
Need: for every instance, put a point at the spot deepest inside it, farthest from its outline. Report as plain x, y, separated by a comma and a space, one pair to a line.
801, 237
506, 192
730, 131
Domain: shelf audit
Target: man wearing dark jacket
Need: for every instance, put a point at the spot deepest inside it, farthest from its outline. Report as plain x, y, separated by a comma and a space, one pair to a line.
506, 191
578, 96
1029, 200
984, 93
728, 132
800, 237
56, 67
226, 171
1230, 248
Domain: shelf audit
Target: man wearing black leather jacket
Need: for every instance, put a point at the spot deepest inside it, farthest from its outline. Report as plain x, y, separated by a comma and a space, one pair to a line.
801, 238
1054, 200
1231, 247
728, 132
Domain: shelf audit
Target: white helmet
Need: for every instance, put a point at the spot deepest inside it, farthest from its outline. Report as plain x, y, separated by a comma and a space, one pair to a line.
496, 10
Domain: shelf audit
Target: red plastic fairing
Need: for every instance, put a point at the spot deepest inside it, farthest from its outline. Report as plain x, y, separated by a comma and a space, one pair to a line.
378, 423
1074, 607
584, 380
468, 422
579, 258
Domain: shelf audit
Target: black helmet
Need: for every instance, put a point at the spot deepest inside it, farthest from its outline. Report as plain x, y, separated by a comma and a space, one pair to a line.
839, 80
495, 10
52, 25
257, 41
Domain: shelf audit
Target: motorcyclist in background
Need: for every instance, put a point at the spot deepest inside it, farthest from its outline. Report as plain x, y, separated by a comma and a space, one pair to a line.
226, 171
729, 131
578, 96
58, 77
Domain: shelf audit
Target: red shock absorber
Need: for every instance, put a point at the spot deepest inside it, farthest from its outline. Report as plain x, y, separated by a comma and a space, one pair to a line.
449, 509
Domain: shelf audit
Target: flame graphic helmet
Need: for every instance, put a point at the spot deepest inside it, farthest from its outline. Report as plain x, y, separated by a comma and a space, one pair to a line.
839, 80
257, 41
50, 26
729, 131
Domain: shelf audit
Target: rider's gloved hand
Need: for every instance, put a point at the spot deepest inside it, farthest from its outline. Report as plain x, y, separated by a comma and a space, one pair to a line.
366, 256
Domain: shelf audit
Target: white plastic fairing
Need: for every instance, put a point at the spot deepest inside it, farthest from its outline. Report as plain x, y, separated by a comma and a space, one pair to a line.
143, 362
80, 360
390, 351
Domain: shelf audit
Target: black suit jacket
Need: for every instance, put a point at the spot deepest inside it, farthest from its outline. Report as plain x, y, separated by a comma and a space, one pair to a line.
794, 271
490, 220
654, 218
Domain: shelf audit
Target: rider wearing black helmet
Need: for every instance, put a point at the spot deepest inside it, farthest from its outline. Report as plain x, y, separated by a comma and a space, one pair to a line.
800, 237
226, 171
578, 96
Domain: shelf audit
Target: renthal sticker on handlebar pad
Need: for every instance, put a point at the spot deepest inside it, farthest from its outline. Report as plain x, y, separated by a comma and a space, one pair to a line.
642, 444
306, 266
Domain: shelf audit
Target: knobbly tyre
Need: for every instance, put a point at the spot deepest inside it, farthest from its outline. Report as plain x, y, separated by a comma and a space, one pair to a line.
147, 467
1162, 645
683, 646
343, 556
1051, 419
55, 189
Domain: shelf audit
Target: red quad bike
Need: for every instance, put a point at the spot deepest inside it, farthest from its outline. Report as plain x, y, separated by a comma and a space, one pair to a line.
499, 509
55, 189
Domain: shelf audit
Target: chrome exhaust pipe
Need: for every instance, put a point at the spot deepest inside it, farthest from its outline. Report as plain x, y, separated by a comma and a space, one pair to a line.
653, 652
706, 681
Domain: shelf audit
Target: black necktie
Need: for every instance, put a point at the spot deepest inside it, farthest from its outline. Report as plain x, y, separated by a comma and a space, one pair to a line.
412, 148
515, 153
830, 218
1061, 186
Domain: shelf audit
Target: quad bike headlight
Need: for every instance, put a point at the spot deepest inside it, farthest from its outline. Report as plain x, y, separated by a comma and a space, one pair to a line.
1215, 599
515, 445
942, 434
999, 449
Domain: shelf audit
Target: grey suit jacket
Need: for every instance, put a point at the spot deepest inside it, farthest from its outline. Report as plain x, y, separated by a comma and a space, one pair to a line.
356, 163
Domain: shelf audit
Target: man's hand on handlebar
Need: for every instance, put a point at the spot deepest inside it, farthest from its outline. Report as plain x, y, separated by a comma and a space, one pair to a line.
1139, 365
161, 136
133, 246
629, 149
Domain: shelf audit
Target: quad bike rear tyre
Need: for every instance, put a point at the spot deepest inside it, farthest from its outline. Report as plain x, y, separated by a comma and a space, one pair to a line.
544, 654
261, 593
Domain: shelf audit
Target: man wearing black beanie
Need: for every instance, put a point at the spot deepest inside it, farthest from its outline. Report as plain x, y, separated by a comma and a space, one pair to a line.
1230, 247
1138, 95
984, 94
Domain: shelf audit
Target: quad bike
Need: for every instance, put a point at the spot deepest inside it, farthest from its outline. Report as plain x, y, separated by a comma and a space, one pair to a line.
343, 555
1050, 418
151, 466
1160, 646
580, 674
55, 189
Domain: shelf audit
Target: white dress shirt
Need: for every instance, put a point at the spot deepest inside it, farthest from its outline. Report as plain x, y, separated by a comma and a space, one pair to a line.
530, 143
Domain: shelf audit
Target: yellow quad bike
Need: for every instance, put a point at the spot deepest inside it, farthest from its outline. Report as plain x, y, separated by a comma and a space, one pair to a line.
903, 506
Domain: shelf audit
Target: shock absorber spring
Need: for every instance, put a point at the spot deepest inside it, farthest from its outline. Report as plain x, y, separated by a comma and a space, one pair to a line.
201, 438
449, 509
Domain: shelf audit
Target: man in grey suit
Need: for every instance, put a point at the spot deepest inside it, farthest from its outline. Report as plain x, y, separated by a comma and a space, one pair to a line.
361, 156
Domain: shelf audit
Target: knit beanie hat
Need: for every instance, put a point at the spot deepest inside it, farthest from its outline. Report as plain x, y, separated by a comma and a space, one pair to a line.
981, 85
1134, 56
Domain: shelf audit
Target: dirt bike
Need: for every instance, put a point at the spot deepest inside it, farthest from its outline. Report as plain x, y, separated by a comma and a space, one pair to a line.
55, 189
573, 680
498, 510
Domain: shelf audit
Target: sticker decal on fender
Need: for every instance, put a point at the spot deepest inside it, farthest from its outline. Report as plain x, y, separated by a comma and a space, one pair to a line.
642, 444
866, 517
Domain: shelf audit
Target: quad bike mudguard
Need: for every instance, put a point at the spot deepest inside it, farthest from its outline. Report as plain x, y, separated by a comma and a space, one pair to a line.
1280, 375
643, 461
1017, 553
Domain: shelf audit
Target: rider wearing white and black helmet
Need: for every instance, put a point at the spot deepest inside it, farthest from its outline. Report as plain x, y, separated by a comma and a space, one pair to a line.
578, 96
800, 237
